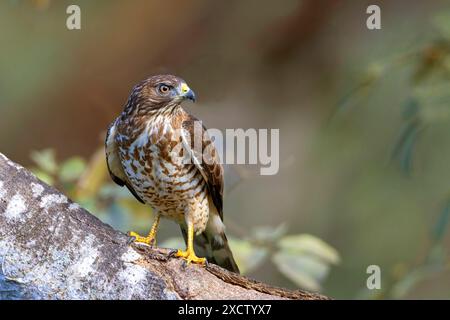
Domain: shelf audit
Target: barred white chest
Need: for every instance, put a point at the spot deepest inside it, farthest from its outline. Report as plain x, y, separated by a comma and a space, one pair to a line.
156, 170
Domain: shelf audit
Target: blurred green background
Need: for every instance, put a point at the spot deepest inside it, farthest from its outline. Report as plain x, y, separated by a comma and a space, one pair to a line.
363, 117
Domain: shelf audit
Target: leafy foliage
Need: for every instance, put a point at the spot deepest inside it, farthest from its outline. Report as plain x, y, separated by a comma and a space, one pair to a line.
428, 105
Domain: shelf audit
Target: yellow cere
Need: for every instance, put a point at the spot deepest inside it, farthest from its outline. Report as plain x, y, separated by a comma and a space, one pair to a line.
184, 88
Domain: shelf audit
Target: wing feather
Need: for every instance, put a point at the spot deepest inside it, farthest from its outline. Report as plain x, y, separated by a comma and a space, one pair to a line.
114, 164
206, 160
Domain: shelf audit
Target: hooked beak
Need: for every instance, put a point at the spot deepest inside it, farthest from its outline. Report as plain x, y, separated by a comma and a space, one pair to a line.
186, 92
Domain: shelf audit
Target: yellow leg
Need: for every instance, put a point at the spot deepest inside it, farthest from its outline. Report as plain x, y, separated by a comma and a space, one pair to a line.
189, 254
151, 238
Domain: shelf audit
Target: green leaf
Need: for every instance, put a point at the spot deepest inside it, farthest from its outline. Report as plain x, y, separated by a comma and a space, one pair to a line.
304, 270
45, 160
442, 223
72, 169
362, 89
407, 283
310, 245
411, 108
44, 176
268, 234
404, 148
247, 256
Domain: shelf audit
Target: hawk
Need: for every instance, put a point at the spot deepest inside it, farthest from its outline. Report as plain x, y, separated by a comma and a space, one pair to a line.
143, 153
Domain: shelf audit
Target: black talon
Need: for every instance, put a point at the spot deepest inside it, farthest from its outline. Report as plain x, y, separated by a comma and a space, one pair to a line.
131, 239
172, 253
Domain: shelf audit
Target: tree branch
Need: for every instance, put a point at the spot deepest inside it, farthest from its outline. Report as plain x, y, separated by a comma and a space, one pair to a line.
51, 248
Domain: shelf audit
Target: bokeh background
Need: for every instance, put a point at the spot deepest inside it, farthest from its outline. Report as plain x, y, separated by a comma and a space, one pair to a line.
363, 117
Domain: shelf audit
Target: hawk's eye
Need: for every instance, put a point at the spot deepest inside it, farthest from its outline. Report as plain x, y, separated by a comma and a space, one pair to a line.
164, 89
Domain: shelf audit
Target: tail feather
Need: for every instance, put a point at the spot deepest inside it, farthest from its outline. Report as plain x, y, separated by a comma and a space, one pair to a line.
222, 255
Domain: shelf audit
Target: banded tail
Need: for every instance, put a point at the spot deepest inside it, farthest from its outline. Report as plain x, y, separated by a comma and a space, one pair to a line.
213, 244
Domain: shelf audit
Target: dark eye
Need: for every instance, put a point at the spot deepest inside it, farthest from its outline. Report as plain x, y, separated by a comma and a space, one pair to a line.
164, 89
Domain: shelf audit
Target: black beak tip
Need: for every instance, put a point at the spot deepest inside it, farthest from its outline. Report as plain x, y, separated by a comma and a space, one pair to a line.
191, 96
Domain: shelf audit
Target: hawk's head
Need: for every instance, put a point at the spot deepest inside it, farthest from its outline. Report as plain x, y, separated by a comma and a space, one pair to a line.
160, 91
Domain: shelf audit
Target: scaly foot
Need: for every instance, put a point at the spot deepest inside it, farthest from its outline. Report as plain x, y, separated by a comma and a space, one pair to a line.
189, 256
150, 240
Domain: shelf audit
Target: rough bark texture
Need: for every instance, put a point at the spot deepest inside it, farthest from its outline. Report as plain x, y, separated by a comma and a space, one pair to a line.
51, 248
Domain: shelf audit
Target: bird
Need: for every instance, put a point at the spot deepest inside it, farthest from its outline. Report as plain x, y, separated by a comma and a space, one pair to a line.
150, 149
